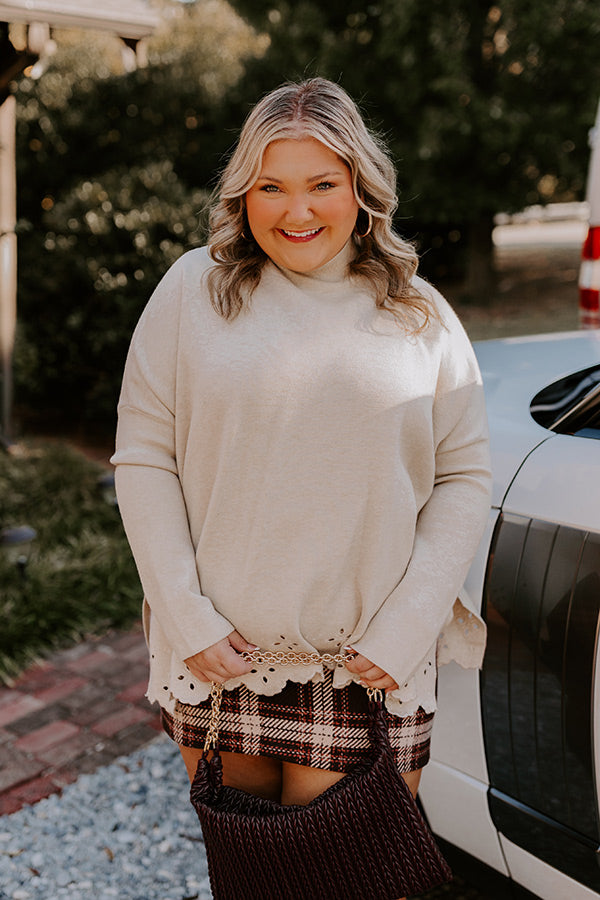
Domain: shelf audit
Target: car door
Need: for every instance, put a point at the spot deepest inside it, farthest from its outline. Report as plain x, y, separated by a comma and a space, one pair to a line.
540, 684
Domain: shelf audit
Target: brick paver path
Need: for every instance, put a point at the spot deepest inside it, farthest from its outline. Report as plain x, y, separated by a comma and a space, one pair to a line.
77, 710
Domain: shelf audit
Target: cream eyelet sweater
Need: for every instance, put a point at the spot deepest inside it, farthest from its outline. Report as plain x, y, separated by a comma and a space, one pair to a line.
311, 474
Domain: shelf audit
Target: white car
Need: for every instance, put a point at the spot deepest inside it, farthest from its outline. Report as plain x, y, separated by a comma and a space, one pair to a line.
514, 777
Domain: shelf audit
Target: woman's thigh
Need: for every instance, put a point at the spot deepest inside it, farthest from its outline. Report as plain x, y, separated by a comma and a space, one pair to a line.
413, 780
272, 779
301, 784
259, 775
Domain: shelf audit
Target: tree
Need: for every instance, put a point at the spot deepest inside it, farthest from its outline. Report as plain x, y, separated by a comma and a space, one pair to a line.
486, 105
87, 114
106, 244
113, 170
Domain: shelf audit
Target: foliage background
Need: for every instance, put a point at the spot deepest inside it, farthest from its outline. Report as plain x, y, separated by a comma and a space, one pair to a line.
80, 577
115, 169
486, 107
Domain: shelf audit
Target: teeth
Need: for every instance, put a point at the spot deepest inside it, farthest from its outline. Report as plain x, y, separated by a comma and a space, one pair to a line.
301, 233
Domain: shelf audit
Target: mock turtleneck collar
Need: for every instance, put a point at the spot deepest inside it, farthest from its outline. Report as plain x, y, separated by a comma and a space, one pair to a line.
333, 272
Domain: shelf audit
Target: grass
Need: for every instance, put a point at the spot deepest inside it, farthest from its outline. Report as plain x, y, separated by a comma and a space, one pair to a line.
80, 578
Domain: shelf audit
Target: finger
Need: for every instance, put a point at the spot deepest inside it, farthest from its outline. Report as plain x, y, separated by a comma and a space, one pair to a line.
234, 664
385, 683
198, 673
222, 673
373, 673
366, 669
218, 675
208, 667
223, 660
239, 643
358, 664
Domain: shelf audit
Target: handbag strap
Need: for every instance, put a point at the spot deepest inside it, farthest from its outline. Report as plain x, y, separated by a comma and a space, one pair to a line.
280, 657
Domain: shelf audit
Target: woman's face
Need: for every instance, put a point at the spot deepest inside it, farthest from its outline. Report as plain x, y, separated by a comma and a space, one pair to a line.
301, 209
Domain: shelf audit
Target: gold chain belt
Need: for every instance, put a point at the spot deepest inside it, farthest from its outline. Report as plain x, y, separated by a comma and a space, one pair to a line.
292, 658
268, 657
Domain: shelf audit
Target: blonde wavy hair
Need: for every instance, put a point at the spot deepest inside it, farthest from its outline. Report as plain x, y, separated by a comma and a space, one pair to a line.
320, 109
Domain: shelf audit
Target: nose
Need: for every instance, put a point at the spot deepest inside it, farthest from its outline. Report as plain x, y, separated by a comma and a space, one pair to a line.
299, 210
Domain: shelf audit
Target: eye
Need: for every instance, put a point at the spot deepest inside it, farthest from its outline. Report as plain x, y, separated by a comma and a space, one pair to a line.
324, 186
269, 188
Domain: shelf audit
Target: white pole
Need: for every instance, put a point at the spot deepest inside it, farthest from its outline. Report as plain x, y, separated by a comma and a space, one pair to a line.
8, 257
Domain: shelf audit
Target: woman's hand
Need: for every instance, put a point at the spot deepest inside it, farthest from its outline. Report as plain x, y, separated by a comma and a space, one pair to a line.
371, 676
221, 661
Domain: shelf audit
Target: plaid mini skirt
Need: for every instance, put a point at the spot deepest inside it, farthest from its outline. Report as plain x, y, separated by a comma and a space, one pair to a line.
310, 724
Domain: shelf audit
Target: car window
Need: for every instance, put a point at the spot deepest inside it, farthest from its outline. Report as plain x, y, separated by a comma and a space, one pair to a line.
570, 405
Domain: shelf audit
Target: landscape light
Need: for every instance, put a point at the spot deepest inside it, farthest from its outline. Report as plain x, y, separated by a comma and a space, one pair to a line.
106, 483
15, 544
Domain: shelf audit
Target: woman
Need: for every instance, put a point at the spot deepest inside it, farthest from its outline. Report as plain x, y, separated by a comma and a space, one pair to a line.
302, 461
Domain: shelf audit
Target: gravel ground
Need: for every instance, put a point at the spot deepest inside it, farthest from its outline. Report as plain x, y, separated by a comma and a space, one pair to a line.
126, 831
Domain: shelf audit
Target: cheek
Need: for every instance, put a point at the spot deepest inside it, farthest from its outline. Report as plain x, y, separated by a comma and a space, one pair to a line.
252, 211
260, 213
345, 212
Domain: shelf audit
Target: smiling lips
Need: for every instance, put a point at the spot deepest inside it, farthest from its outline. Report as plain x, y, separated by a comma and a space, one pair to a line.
300, 237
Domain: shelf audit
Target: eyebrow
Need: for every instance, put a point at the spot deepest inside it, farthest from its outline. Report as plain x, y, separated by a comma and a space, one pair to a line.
308, 180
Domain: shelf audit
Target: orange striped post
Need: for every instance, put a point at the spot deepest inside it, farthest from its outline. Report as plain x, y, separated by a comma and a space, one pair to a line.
589, 280
589, 271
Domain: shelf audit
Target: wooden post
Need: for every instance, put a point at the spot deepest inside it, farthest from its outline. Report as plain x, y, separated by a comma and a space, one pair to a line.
8, 258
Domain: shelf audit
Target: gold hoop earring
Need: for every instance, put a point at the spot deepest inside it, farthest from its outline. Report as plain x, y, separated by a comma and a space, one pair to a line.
368, 231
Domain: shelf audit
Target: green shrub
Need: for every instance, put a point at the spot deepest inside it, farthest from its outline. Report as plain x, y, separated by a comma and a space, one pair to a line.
103, 249
113, 169
80, 577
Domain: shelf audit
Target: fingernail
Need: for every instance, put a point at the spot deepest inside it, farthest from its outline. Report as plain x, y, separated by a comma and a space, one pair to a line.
252, 646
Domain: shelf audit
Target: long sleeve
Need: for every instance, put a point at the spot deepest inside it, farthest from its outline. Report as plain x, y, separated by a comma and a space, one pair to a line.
147, 479
449, 525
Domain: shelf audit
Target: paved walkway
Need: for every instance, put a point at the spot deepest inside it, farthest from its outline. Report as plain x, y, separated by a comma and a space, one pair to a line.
77, 710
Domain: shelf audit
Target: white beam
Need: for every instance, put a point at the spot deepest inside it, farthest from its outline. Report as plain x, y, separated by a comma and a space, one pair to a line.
8, 256
128, 19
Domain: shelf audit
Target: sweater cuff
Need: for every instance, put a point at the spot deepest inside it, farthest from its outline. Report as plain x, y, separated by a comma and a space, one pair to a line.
199, 633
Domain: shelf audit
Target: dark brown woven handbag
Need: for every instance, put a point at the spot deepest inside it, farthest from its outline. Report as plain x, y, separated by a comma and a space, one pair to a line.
361, 839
